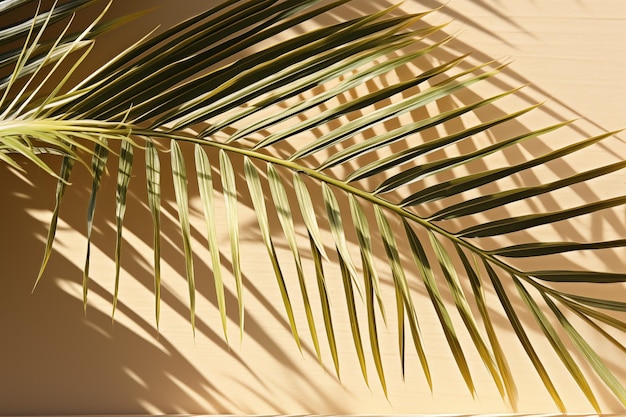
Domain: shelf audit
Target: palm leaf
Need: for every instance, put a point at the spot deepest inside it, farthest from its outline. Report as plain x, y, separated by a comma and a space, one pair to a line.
159, 88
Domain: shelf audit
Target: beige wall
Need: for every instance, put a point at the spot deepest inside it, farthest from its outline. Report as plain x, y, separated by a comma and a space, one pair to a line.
55, 360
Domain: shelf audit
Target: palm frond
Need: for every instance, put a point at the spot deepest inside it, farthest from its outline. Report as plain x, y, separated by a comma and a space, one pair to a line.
185, 85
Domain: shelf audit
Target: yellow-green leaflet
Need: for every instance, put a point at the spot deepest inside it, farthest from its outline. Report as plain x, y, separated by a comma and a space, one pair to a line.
401, 329
123, 179
371, 283
256, 192
430, 283
283, 209
98, 164
230, 199
479, 296
337, 230
365, 241
598, 328
354, 321
22, 59
594, 359
5, 158
16, 145
372, 328
62, 182
153, 183
205, 185
463, 308
324, 301
308, 212
402, 286
179, 177
523, 338
557, 344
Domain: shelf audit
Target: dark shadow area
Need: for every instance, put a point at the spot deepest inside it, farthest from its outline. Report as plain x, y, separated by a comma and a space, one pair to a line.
49, 347
108, 366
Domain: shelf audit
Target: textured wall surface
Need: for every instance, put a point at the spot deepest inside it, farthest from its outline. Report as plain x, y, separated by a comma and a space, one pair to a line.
55, 360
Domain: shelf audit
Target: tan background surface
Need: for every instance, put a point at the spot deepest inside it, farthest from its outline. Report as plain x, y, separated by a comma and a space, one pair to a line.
56, 361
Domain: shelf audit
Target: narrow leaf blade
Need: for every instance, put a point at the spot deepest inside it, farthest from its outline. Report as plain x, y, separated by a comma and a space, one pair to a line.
180, 190
123, 179
98, 165
205, 185
153, 182
229, 187
281, 202
523, 337
258, 201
